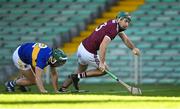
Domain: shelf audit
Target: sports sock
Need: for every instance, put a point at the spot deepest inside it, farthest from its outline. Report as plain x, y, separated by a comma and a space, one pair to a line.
82, 75
12, 83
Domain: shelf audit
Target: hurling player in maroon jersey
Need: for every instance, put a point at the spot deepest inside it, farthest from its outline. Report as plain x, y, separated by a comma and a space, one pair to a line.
92, 50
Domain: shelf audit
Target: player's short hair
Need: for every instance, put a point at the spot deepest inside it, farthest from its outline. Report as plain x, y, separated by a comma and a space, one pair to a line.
122, 15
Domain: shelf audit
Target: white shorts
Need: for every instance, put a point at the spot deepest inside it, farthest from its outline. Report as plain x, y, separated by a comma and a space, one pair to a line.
18, 62
87, 58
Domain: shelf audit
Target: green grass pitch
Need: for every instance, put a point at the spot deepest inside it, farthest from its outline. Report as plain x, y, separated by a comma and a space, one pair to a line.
100, 96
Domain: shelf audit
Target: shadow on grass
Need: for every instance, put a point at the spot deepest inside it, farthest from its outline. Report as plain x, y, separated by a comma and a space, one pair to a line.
79, 101
113, 89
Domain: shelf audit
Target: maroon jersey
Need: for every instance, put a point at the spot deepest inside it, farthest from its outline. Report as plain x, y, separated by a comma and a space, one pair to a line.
92, 43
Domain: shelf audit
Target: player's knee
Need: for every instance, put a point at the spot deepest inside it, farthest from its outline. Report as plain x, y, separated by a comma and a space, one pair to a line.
32, 80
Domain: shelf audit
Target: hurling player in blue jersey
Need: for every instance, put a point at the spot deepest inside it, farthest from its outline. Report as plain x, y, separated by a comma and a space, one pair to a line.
31, 60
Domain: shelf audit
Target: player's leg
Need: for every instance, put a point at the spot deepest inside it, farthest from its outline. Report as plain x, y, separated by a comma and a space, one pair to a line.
81, 68
21, 87
68, 81
90, 73
11, 84
27, 80
23, 69
81, 71
85, 57
92, 60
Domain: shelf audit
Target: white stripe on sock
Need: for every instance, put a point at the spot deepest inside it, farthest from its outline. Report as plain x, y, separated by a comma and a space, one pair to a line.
11, 84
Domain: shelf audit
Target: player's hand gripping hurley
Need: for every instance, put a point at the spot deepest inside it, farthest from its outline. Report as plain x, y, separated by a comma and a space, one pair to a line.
131, 89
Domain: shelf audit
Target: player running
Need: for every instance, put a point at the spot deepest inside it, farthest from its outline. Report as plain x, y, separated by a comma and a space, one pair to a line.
99, 40
31, 60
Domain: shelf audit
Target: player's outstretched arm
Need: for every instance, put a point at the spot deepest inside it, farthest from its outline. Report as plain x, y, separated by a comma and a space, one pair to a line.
54, 78
102, 52
129, 43
38, 79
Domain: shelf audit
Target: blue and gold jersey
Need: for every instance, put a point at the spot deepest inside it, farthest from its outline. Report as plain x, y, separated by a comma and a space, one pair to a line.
35, 54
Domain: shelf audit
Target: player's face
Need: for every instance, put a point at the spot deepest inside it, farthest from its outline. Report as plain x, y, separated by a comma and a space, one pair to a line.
54, 63
124, 23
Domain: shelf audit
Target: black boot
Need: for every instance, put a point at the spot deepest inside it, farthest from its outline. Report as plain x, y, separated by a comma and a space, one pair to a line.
75, 80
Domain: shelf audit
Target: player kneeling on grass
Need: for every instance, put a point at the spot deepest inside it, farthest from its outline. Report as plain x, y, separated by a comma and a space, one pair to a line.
98, 41
31, 59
